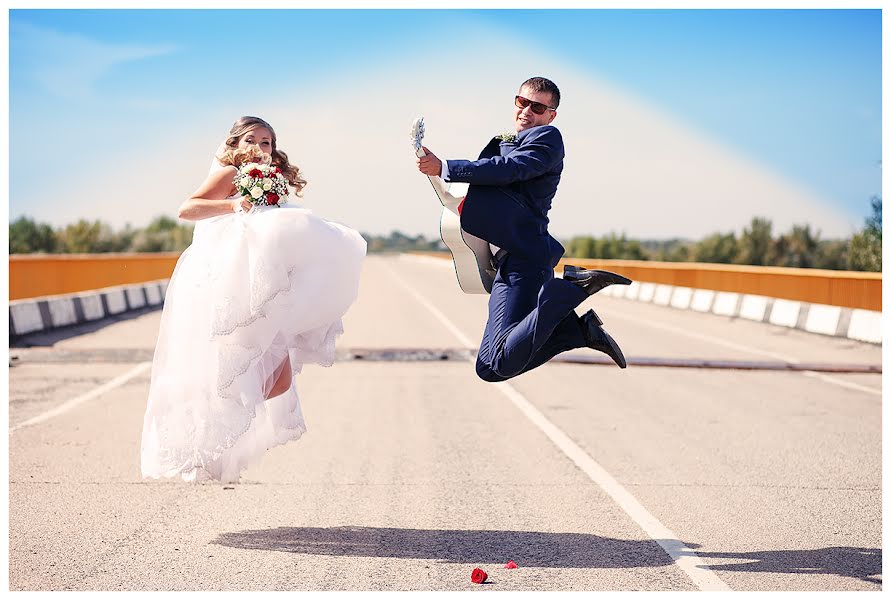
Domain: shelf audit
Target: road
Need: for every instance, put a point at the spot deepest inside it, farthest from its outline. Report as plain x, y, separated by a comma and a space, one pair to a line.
413, 472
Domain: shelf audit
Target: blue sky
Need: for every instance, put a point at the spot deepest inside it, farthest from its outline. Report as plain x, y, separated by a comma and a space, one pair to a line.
795, 92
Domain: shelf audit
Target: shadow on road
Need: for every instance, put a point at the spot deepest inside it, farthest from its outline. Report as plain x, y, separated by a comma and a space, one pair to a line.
537, 549
859, 563
526, 548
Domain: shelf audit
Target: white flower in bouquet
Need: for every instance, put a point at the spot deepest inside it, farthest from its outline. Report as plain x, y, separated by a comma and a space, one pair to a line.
263, 185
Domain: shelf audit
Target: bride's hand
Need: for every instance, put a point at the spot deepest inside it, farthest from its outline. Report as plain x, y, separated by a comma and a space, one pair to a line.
240, 204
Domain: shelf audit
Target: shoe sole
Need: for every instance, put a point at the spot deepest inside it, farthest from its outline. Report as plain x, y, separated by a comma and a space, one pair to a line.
614, 346
617, 351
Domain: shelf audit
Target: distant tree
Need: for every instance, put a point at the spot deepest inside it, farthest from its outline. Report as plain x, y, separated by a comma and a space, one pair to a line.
163, 234
26, 236
86, 237
865, 248
667, 250
611, 246
680, 253
581, 247
397, 241
832, 254
798, 248
716, 248
755, 243
122, 241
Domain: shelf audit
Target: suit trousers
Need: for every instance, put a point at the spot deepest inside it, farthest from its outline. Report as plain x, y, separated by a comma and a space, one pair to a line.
531, 319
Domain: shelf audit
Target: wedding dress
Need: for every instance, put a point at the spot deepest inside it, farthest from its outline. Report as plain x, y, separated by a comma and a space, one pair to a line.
251, 290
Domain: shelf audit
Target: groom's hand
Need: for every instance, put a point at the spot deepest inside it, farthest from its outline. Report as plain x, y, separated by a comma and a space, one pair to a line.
429, 164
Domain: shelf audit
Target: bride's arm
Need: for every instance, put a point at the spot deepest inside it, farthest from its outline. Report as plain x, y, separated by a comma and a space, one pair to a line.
210, 199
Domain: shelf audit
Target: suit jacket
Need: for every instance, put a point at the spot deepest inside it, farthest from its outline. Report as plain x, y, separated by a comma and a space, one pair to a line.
510, 193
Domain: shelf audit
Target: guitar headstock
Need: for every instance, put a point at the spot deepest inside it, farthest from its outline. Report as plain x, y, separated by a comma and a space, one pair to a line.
417, 133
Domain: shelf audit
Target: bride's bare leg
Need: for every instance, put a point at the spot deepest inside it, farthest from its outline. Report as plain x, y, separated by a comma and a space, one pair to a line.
283, 380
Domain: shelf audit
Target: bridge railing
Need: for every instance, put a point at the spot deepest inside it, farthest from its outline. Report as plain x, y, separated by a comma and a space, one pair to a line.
849, 289
49, 291
34, 275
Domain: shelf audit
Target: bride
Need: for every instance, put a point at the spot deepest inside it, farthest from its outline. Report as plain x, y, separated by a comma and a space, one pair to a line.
259, 293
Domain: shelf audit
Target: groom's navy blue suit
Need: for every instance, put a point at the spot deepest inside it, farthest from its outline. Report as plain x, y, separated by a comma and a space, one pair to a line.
531, 316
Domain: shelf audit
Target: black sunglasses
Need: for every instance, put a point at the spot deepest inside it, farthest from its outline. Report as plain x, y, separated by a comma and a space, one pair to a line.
537, 107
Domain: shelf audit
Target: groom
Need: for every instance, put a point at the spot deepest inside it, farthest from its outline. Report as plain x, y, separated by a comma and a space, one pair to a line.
531, 313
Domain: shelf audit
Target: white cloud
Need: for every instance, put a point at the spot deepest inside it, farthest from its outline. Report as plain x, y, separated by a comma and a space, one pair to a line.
69, 65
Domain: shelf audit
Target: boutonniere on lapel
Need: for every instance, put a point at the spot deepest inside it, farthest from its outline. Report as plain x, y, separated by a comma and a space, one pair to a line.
508, 137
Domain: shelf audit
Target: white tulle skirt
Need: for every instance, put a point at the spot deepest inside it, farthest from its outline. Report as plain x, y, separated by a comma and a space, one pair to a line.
252, 290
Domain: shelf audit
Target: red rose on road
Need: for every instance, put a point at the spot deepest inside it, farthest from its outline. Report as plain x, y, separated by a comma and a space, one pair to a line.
478, 576
272, 198
510, 565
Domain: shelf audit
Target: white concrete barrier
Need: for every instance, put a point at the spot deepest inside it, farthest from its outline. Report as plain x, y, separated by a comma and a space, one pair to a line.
856, 324
866, 326
682, 297
662, 296
25, 316
725, 304
153, 294
62, 311
135, 297
92, 305
116, 301
49, 312
646, 292
702, 300
785, 312
822, 318
753, 307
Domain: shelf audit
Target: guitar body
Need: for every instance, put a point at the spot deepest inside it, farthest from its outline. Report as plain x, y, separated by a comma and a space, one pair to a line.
471, 256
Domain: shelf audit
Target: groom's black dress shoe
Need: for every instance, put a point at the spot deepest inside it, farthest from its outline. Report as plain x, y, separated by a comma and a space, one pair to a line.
592, 280
598, 339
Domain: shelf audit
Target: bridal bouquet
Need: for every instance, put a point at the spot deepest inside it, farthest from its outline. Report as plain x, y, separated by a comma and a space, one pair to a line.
262, 185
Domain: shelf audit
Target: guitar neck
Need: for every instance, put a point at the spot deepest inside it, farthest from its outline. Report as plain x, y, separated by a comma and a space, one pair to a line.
439, 186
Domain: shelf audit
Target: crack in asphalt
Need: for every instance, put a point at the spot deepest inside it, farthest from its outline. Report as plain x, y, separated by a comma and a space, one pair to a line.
137, 355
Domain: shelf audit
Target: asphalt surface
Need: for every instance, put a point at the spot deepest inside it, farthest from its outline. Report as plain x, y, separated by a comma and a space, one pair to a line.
413, 472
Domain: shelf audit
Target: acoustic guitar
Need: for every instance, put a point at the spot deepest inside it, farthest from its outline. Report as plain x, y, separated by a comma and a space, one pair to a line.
471, 256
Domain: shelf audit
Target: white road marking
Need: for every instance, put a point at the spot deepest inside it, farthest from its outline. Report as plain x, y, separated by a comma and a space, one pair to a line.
842, 382
95, 393
748, 349
684, 557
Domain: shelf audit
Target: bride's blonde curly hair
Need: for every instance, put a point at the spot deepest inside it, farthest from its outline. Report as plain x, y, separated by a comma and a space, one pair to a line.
233, 155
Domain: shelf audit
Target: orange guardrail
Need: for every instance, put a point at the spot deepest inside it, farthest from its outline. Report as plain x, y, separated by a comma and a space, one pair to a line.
32, 275
852, 289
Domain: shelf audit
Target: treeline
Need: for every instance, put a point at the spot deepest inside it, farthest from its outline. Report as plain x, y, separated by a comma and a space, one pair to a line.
399, 242
757, 245
163, 234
